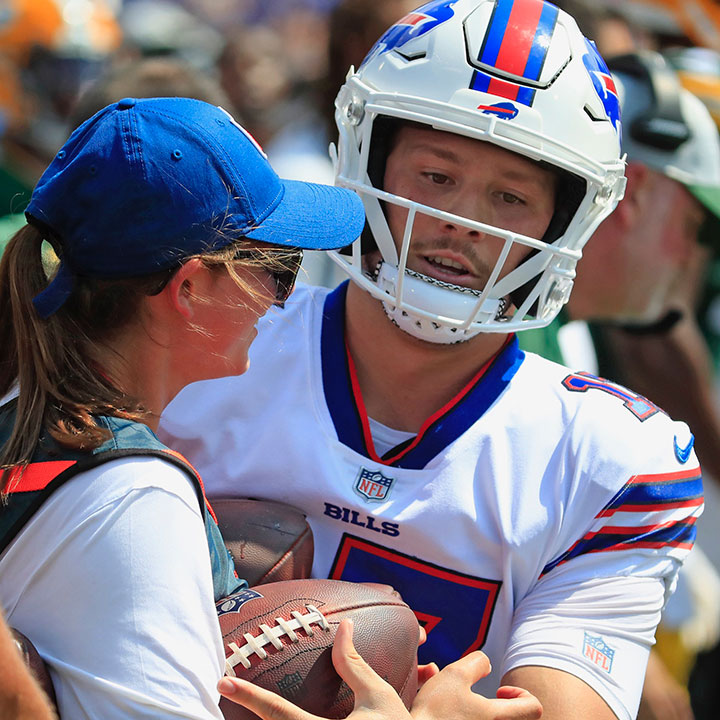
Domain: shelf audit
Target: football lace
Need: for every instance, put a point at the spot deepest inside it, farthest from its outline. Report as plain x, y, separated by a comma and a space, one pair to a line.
255, 645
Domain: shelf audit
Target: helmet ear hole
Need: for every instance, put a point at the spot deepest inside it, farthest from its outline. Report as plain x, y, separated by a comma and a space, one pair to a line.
570, 191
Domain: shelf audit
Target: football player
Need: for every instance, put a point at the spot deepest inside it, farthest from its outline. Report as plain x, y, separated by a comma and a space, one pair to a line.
517, 506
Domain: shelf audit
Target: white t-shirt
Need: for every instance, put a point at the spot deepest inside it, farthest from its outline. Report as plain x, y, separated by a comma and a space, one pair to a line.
541, 517
111, 581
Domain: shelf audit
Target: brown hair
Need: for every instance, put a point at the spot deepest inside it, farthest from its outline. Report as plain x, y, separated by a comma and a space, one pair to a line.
55, 361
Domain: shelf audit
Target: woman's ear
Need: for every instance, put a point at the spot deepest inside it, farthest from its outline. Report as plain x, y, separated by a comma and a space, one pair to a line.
185, 286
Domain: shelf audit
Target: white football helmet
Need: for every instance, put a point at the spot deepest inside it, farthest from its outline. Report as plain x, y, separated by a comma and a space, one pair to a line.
516, 73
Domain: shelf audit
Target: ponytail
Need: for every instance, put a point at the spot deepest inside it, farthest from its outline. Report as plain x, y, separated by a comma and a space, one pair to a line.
52, 361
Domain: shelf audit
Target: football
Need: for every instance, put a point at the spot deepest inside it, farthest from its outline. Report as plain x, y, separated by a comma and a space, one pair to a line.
269, 541
280, 636
35, 663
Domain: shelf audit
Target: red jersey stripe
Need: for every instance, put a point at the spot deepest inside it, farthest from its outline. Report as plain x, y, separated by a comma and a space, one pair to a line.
666, 477
692, 502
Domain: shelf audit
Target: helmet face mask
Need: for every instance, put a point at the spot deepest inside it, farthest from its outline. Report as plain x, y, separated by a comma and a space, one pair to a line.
453, 67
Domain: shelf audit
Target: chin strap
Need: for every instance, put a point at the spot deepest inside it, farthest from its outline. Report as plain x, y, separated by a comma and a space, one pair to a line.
422, 294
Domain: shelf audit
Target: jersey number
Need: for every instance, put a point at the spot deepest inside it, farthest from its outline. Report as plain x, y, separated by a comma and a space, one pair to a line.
455, 609
639, 406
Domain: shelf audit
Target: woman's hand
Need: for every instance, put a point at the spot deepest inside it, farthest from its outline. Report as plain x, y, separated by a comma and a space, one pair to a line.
374, 698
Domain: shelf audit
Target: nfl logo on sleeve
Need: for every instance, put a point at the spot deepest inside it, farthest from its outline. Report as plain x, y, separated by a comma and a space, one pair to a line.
598, 651
372, 485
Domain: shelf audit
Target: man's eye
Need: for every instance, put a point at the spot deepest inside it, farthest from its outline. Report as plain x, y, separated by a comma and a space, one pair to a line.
438, 178
511, 199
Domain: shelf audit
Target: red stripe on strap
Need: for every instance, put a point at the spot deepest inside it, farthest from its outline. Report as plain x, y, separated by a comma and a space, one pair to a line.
519, 35
36, 476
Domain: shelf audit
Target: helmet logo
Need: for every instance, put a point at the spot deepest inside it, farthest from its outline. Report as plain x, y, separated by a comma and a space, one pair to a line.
413, 25
516, 45
504, 110
603, 83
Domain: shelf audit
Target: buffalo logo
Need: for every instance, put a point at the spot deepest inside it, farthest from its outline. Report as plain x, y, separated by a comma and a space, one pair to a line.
233, 603
372, 485
598, 652
413, 25
603, 83
504, 110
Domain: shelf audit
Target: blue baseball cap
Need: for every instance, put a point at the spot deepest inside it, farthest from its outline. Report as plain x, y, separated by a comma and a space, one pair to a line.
144, 184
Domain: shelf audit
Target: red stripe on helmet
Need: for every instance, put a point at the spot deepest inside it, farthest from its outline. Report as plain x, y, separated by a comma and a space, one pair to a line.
519, 36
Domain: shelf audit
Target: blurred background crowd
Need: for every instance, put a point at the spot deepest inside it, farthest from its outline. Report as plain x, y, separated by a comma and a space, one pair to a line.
277, 65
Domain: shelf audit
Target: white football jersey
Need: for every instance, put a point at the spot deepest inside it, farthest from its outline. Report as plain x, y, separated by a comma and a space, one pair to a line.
541, 515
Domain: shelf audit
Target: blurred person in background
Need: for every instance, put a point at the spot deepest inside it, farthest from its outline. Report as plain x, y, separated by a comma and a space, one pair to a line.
49, 49
695, 340
282, 71
353, 28
145, 78
167, 28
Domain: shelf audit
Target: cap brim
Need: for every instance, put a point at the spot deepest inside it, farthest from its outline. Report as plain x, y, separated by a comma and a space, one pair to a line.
709, 196
312, 217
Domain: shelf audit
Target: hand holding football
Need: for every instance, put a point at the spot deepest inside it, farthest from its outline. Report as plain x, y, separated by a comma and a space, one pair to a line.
280, 636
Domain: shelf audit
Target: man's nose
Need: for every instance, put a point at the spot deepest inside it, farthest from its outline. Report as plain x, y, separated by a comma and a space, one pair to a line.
465, 205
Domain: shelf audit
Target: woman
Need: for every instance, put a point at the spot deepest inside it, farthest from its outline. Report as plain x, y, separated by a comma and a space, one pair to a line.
173, 236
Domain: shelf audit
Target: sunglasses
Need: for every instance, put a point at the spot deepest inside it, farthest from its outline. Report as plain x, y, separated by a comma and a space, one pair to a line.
282, 264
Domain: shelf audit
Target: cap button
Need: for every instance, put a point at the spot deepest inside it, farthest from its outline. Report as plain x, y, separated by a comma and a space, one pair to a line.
126, 103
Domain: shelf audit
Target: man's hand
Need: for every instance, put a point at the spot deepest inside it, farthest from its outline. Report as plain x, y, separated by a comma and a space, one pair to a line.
448, 694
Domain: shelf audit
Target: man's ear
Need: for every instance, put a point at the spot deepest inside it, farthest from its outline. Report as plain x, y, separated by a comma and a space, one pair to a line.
185, 286
633, 206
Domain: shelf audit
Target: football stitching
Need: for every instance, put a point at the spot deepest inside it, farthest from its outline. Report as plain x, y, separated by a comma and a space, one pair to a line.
255, 645
390, 601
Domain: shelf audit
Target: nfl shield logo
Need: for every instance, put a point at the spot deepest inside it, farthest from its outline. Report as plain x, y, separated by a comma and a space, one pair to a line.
233, 603
290, 685
373, 485
598, 651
